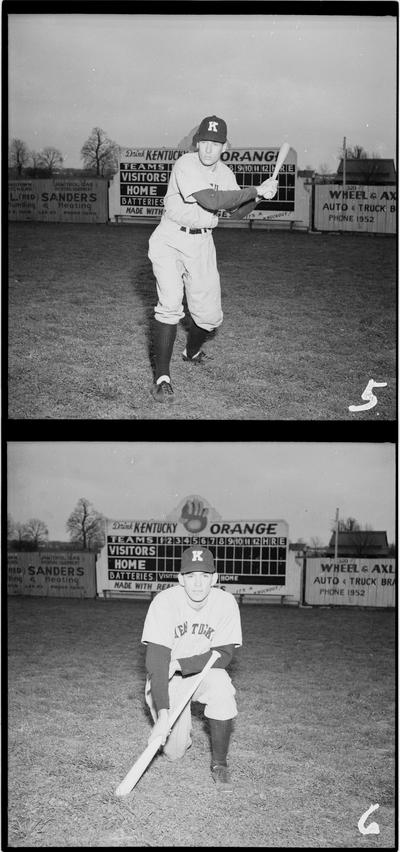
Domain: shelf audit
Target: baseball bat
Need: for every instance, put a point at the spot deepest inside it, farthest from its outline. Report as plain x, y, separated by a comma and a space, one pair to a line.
136, 771
283, 152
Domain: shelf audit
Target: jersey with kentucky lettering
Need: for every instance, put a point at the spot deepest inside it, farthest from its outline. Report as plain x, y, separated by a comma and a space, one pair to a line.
188, 176
172, 622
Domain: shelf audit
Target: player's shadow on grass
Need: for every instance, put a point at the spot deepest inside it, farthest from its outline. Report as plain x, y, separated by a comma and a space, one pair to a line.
144, 286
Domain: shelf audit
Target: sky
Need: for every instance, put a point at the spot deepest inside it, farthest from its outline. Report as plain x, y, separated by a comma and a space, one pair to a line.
148, 79
302, 483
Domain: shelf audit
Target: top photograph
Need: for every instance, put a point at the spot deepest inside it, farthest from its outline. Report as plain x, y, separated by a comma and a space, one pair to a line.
202, 215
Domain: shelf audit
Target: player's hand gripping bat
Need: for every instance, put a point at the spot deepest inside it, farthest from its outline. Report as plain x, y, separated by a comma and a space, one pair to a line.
269, 187
147, 755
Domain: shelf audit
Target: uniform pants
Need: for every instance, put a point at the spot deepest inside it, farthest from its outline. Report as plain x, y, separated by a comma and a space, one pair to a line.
216, 691
179, 261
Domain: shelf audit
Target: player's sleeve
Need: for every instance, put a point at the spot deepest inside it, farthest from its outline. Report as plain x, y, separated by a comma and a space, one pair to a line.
158, 658
192, 665
157, 636
225, 199
241, 211
244, 209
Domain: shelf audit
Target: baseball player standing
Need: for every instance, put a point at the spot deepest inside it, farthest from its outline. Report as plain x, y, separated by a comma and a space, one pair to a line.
182, 251
183, 625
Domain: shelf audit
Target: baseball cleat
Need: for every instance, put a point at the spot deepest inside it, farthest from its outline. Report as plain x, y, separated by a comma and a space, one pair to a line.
222, 778
197, 359
163, 392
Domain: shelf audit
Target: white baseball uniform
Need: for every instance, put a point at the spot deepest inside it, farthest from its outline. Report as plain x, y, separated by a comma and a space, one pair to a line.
182, 259
171, 622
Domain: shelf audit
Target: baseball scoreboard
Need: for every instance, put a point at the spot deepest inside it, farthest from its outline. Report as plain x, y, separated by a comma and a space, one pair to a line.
139, 187
250, 556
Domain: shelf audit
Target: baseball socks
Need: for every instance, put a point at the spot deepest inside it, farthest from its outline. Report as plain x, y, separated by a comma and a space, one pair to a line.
164, 336
220, 731
196, 337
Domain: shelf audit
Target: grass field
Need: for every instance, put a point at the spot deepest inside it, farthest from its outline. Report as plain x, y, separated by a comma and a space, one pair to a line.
310, 319
313, 747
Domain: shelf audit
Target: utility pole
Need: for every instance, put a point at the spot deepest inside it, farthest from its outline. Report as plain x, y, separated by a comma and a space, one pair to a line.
344, 162
336, 534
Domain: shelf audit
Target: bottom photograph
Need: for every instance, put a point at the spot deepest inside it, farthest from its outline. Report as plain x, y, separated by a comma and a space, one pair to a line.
201, 644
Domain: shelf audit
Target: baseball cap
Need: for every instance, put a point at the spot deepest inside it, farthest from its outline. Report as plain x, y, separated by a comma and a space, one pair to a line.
213, 128
197, 558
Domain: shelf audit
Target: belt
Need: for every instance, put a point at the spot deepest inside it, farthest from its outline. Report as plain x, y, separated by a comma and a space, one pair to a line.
195, 230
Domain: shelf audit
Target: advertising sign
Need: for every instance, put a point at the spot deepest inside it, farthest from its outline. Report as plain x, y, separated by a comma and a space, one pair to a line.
351, 582
60, 200
144, 555
139, 187
68, 574
372, 209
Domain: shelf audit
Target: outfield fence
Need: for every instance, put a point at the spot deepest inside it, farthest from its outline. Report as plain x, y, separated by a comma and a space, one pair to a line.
363, 209
360, 582
61, 574
314, 581
58, 200
300, 205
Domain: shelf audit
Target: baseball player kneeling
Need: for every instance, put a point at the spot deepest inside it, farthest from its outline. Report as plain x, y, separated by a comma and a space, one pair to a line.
183, 625
182, 251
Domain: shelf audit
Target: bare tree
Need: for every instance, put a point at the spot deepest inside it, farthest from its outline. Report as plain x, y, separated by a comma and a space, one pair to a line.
346, 525
50, 159
35, 158
18, 155
36, 532
86, 525
357, 152
37, 167
19, 535
100, 153
10, 528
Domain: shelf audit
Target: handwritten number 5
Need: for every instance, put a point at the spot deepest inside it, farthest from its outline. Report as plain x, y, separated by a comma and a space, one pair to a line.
370, 397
